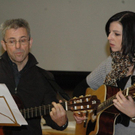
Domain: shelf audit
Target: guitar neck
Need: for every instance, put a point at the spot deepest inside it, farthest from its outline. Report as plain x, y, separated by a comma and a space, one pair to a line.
76, 104
38, 111
109, 102
104, 105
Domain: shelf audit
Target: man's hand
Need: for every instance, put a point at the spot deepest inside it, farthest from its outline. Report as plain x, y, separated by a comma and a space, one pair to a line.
58, 114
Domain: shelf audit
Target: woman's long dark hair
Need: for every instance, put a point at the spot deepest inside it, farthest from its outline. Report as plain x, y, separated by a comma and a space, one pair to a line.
127, 20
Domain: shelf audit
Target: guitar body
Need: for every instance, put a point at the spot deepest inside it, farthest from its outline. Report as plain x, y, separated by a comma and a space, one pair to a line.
1, 131
102, 123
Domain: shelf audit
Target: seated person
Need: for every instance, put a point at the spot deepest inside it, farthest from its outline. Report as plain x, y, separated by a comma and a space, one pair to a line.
22, 76
117, 70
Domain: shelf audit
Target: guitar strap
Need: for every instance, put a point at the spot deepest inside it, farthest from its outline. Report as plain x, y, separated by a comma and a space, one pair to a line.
50, 78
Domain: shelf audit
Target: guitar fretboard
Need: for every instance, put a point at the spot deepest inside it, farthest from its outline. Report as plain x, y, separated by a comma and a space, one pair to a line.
37, 111
109, 102
105, 104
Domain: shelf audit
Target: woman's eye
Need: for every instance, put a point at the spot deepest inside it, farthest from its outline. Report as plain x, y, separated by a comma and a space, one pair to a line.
117, 34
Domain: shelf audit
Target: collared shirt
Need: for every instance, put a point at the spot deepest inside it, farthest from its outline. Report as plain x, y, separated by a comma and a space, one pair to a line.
17, 74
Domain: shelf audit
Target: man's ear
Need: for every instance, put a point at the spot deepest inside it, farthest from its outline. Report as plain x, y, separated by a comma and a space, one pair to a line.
31, 41
3, 45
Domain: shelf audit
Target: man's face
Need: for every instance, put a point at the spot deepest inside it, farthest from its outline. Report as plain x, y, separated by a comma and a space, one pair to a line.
17, 51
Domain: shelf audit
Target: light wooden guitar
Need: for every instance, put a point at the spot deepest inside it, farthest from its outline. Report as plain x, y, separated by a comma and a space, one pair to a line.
101, 121
75, 105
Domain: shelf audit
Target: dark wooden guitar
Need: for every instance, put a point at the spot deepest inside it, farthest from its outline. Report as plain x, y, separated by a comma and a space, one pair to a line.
101, 120
76, 105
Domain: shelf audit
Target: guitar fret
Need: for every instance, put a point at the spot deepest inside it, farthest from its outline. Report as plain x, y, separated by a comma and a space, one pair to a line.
28, 116
35, 111
49, 107
44, 107
40, 111
24, 112
31, 110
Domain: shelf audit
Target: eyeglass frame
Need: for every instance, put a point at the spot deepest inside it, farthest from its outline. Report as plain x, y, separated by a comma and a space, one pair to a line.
28, 39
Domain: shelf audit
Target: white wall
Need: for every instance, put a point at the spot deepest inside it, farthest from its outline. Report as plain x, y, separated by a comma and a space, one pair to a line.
68, 34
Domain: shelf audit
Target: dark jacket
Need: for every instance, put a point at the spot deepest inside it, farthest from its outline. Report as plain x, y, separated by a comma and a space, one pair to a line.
33, 89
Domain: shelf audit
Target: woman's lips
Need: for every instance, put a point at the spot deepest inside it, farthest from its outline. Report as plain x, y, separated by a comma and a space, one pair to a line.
112, 45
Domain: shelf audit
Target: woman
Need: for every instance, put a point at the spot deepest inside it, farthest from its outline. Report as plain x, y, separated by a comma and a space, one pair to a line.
118, 69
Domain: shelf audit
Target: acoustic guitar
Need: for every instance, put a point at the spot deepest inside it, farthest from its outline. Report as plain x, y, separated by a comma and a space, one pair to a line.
75, 105
101, 120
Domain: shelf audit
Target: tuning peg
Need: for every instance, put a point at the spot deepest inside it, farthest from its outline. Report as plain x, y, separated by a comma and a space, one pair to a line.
87, 95
81, 96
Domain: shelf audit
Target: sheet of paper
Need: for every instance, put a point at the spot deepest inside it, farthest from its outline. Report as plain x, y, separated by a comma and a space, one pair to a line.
4, 110
5, 113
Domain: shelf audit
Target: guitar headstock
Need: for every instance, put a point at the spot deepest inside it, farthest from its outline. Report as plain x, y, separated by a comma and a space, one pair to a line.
83, 103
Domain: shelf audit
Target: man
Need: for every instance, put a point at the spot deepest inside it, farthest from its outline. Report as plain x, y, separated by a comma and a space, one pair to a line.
22, 76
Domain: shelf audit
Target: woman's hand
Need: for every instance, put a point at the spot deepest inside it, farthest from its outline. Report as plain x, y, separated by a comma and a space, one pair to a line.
79, 118
125, 105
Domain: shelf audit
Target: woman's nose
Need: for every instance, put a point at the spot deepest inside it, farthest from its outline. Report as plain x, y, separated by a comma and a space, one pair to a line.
109, 36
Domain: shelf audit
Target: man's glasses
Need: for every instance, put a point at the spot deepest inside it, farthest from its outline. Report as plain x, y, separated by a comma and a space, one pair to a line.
13, 42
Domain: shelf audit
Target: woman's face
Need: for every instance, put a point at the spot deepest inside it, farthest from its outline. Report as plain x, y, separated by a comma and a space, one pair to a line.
115, 36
